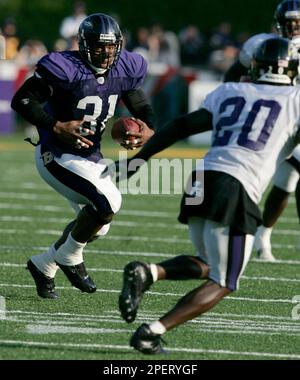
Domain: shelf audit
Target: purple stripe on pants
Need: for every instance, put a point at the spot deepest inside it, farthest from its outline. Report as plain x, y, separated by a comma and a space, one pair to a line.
235, 260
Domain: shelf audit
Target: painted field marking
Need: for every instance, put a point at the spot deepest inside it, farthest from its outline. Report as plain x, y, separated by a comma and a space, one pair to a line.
90, 346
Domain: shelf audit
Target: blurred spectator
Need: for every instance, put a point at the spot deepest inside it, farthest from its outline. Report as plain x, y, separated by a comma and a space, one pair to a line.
60, 45
221, 37
140, 44
2, 46
161, 49
191, 46
30, 53
168, 51
127, 39
69, 26
241, 38
12, 41
220, 60
28, 56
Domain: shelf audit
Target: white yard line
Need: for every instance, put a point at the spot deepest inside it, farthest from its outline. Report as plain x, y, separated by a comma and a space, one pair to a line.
166, 294
111, 270
63, 221
42, 329
10, 231
30, 249
89, 346
173, 240
58, 209
45, 328
116, 314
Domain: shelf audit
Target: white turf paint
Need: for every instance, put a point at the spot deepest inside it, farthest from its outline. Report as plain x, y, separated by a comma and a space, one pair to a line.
231, 298
173, 240
52, 327
116, 314
51, 208
12, 231
42, 329
111, 270
63, 221
123, 347
30, 249
2, 308
64, 210
206, 323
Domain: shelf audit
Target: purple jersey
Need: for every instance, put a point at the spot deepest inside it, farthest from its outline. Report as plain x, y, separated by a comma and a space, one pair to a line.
78, 94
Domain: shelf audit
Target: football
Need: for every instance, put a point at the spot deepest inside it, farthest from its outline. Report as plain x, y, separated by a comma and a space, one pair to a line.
121, 126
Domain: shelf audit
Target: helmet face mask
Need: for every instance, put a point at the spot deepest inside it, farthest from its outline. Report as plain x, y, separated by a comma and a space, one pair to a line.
100, 41
274, 63
287, 18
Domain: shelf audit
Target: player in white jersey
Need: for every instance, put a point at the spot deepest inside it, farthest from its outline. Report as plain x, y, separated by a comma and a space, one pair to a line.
287, 19
255, 126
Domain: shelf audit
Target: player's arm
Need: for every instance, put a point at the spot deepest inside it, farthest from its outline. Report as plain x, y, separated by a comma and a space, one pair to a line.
178, 129
235, 72
140, 108
28, 102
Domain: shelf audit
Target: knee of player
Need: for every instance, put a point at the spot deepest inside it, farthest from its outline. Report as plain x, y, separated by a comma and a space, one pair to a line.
102, 232
116, 202
103, 215
106, 218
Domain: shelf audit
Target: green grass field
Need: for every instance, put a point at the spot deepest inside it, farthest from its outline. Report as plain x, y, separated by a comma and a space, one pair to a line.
254, 323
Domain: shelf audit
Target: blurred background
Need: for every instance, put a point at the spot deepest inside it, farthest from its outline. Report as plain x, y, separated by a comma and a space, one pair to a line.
188, 45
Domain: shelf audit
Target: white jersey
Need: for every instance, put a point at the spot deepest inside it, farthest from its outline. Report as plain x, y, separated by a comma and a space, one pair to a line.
254, 129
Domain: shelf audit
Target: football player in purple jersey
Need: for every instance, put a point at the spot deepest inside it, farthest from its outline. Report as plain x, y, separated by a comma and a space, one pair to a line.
69, 99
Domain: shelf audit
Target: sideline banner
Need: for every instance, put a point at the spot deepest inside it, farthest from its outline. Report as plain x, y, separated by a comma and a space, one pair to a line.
7, 86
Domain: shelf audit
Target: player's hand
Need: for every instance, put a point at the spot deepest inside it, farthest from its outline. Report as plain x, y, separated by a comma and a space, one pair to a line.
135, 140
71, 133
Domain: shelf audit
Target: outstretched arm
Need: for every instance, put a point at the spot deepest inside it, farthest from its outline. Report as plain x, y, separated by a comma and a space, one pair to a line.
178, 129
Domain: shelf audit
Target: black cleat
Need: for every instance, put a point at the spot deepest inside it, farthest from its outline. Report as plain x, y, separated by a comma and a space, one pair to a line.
44, 284
145, 341
137, 279
78, 277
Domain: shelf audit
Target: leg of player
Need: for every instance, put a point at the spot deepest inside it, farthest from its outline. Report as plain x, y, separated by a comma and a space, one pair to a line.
69, 256
43, 267
139, 276
229, 252
297, 196
275, 204
92, 221
285, 182
147, 338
